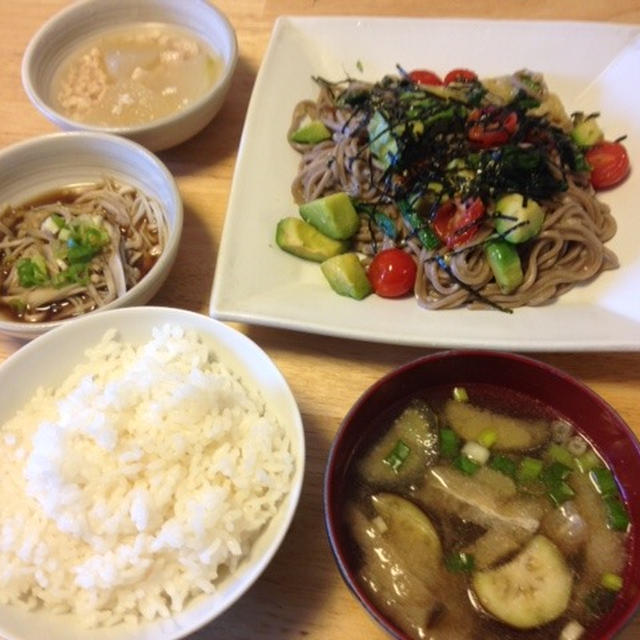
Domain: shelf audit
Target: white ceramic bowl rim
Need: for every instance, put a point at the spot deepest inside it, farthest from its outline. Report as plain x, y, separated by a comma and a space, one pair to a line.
246, 359
173, 240
32, 53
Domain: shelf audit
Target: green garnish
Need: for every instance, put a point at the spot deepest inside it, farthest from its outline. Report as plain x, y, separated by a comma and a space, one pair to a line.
611, 581
32, 272
504, 465
398, 455
587, 461
460, 394
554, 477
617, 513
466, 465
529, 469
459, 562
488, 437
58, 220
449, 443
604, 482
81, 243
558, 453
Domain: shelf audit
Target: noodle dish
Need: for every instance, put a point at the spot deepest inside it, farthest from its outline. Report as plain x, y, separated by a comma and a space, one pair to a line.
78, 249
466, 192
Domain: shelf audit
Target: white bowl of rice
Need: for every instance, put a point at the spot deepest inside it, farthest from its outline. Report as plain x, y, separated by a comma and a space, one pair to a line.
91, 185
152, 463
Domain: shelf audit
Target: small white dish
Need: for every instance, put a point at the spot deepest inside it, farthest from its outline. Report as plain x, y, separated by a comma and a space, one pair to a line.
65, 31
41, 165
587, 64
49, 359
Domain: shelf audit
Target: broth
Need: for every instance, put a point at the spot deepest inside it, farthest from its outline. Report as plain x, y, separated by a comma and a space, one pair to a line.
72, 250
450, 545
135, 74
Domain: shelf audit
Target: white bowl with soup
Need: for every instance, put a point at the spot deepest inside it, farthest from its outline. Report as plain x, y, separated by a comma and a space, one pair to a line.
155, 71
88, 221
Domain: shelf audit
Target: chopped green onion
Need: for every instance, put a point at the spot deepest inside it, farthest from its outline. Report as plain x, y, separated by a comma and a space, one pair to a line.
529, 469
555, 472
398, 455
604, 482
466, 465
503, 465
50, 226
618, 517
459, 562
554, 477
95, 237
460, 394
75, 273
558, 453
587, 461
611, 581
449, 443
476, 452
32, 272
488, 437
80, 253
58, 220
560, 492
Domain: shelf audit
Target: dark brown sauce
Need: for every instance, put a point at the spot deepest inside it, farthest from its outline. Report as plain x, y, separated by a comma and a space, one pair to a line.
59, 309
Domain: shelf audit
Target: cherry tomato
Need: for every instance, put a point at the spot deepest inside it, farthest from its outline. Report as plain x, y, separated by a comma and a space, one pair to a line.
609, 164
460, 75
392, 273
456, 223
491, 127
422, 76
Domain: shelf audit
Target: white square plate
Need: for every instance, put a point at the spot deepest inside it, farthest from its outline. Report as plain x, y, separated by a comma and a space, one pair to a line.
593, 67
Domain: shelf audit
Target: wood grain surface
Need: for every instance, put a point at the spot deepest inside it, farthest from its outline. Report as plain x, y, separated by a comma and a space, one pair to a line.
301, 594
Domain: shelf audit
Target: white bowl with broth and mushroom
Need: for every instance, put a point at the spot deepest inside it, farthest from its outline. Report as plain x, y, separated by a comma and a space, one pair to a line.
155, 71
88, 222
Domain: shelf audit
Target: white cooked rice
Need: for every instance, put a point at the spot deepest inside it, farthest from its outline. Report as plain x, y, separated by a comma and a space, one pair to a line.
138, 482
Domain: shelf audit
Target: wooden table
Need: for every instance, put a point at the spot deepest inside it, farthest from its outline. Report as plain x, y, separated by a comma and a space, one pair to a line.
301, 595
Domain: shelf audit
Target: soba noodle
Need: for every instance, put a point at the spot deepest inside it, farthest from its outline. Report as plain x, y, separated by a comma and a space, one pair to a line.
568, 250
77, 249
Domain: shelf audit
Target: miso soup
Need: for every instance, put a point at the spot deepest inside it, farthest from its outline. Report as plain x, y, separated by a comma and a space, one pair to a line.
479, 514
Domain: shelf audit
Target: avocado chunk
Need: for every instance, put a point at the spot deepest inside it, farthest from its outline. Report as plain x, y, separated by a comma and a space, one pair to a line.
586, 131
311, 133
382, 143
347, 276
504, 261
305, 241
517, 221
334, 215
